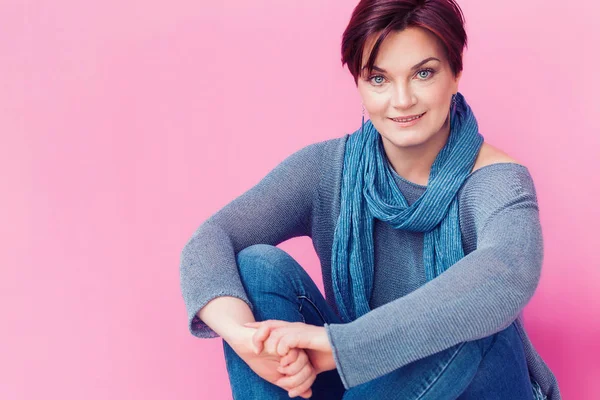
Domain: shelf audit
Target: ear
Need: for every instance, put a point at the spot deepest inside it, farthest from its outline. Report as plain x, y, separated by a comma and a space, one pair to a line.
456, 81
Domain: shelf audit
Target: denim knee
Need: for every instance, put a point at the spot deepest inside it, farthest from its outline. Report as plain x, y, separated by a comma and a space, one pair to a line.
488, 342
265, 264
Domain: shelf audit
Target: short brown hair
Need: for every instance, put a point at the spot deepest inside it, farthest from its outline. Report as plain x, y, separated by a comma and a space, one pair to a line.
443, 18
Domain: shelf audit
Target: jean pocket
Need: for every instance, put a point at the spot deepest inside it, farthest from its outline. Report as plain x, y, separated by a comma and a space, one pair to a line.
313, 309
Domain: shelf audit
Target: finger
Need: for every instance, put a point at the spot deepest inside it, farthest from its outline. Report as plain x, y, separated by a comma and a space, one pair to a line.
270, 345
298, 383
291, 382
306, 395
269, 322
290, 357
297, 391
296, 366
286, 343
261, 334
304, 389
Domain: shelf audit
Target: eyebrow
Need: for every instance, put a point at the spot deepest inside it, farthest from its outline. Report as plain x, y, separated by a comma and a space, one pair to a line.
376, 68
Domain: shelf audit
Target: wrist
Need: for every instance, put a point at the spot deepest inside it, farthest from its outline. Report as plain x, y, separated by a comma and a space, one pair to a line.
331, 362
238, 335
330, 365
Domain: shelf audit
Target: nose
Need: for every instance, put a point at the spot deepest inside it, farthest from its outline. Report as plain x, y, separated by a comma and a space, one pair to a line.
402, 97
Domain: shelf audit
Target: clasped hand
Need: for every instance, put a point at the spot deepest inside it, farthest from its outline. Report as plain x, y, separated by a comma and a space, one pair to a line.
303, 352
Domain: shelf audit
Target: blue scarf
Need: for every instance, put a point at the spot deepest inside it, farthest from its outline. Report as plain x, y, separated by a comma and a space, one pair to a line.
369, 191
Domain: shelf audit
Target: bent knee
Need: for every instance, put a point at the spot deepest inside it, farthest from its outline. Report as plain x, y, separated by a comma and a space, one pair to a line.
263, 261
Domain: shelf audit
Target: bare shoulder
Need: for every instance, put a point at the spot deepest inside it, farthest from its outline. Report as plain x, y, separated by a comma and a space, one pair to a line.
489, 154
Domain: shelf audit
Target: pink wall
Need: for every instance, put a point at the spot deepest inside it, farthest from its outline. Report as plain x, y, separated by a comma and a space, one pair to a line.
125, 124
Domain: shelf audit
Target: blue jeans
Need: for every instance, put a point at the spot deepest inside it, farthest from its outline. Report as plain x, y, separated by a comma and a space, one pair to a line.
279, 288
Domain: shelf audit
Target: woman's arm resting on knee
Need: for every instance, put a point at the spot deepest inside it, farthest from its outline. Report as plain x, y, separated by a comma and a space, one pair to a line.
276, 209
278, 337
226, 315
297, 376
479, 295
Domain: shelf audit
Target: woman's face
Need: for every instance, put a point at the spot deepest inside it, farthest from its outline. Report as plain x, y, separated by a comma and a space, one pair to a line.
402, 86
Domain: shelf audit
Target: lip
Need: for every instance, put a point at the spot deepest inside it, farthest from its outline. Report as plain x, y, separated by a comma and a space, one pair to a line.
407, 116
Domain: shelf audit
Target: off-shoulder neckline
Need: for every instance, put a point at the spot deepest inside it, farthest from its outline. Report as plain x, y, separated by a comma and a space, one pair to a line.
485, 167
418, 186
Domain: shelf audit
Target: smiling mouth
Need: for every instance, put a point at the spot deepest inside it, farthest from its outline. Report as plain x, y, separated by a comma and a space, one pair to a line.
407, 119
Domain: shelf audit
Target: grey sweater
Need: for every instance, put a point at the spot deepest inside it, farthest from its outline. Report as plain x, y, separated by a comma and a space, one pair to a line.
410, 318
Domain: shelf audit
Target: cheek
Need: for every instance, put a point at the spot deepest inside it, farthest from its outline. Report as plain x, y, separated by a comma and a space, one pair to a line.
431, 95
436, 102
375, 103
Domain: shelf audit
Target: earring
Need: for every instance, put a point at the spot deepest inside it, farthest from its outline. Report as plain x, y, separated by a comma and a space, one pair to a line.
362, 126
453, 104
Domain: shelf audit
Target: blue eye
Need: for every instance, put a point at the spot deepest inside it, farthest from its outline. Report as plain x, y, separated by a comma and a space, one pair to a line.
429, 70
376, 76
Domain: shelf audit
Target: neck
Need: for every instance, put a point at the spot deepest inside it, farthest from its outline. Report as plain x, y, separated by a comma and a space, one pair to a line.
414, 163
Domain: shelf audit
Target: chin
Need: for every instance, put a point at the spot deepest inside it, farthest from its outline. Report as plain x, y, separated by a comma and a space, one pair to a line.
409, 137
404, 140
406, 137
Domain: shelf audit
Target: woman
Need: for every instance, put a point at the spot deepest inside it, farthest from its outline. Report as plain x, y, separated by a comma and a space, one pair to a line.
429, 241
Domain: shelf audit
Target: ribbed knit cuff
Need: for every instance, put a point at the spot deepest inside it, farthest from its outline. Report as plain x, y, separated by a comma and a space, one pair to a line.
336, 357
197, 327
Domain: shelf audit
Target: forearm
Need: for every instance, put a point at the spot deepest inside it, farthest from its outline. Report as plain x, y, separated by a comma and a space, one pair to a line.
481, 294
226, 315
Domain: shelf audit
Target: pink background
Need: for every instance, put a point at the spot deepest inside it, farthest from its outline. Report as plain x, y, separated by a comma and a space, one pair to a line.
125, 124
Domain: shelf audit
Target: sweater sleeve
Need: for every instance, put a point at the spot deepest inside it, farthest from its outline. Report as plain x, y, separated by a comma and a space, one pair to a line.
481, 294
277, 208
